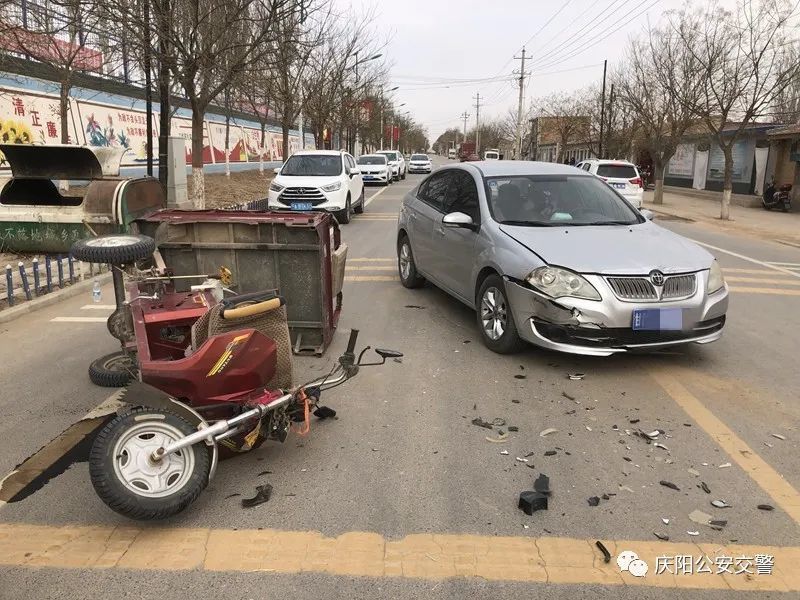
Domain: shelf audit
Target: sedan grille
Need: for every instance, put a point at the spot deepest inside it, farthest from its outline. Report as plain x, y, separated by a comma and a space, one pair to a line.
302, 194
641, 288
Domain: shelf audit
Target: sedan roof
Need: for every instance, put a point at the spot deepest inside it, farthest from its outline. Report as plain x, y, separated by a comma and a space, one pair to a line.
499, 168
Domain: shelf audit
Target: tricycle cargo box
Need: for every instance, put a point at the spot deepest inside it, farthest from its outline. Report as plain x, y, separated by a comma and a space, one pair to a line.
299, 254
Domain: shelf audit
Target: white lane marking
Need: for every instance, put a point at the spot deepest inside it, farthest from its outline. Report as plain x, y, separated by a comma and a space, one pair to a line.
375, 195
107, 406
98, 307
748, 258
788, 265
371, 259
79, 320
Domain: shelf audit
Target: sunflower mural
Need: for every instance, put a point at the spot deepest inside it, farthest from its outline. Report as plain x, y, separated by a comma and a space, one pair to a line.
14, 132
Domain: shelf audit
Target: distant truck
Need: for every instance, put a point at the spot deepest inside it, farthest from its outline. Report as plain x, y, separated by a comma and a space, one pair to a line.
465, 150
491, 154
451, 153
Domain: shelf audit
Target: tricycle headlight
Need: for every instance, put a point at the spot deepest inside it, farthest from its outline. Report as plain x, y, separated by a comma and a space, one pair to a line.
716, 280
332, 187
276, 187
557, 282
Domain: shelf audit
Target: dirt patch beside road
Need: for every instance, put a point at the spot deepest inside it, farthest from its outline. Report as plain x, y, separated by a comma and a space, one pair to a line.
242, 186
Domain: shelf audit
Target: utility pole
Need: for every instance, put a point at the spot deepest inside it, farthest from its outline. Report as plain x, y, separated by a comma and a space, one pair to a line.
465, 116
610, 117
602, 113
519, 107
478, 122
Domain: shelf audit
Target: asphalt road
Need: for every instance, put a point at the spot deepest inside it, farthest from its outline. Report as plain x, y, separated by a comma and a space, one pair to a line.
403, 461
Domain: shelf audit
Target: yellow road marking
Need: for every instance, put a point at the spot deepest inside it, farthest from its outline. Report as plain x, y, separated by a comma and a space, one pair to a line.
759, 290
371, 268
763, 280
370, 278
364, 554
780, 490
371, 260
754, 272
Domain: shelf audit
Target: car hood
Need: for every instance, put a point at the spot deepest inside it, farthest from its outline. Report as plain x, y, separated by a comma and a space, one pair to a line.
372, 168
616, 249
305, 181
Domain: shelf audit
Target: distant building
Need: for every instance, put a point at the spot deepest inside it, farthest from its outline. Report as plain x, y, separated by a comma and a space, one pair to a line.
564, 138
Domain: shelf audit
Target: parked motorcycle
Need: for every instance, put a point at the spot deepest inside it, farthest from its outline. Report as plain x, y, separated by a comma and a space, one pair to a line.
780, 197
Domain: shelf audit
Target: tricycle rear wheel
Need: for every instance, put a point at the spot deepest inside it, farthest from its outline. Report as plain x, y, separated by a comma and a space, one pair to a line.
126, 478
117, 369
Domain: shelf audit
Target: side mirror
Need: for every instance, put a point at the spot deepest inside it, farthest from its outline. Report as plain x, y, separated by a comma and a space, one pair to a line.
458, 219
354, 172
647, 214
277, 170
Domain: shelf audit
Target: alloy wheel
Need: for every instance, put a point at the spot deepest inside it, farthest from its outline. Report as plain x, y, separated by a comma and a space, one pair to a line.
494, 313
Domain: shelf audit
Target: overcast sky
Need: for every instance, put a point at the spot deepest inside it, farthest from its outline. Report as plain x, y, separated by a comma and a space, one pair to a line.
434, 41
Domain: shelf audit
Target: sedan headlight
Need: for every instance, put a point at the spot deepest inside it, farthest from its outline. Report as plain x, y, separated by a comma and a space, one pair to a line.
332, 187
276, 187
716, 280
557, 282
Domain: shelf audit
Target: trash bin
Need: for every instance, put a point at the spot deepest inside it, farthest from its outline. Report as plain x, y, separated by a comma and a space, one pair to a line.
298, 254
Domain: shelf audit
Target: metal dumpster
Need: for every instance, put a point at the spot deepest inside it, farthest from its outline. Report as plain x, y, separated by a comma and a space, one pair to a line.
36, 217
299, 254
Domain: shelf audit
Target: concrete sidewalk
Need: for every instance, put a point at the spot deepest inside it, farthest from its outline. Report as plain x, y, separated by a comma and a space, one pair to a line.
753, 222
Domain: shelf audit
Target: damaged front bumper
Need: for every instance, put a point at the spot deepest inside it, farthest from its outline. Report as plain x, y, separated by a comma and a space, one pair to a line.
602, 328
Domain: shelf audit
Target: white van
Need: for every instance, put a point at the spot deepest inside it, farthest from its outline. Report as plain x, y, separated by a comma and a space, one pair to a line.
451, 153
491, 155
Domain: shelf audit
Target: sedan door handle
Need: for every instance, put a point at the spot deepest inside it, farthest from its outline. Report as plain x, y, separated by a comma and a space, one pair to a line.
440, 230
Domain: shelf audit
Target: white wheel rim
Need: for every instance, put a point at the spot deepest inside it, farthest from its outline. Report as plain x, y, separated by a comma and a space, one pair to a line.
405, 260
135, 469
494, 313
114, 241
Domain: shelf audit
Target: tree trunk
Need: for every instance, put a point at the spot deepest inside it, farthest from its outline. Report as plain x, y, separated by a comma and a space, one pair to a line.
285, 142
227, 144
727, 186
63, 111
165, 113
658, 174
261, 148
198, 181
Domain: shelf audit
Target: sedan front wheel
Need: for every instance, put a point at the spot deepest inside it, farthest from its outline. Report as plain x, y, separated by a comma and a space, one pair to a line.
498, 330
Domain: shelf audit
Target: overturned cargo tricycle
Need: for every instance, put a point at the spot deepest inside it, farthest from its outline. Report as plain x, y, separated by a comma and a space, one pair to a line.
214, 373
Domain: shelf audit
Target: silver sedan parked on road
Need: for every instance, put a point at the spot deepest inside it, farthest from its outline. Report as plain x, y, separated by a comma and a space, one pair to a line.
550, 255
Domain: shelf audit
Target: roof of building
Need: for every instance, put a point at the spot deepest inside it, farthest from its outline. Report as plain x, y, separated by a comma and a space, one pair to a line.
785, 131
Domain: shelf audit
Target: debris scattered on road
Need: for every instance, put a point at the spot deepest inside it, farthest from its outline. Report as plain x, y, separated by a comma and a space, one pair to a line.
588, 428
520, 376
264, 473
515, 401
699, 517
665, 520
661, 536
704, 486
765, 507
232, 495
513, 428
263, 493
693, 532
662, 446
570, 412
576, 376
550, 453
324, 412
779, 436
530, 465
627, 458
694, 472
593, 501
498, 422
504, 452
627, 489
529, 454
720, 504
653, 434
670, 485
604, 550
521, 459
547, 431
724, 465
481, 423
417, 306
398, 360
567, 396
467, 342
500, 438
531, 501
542, 484
633, 421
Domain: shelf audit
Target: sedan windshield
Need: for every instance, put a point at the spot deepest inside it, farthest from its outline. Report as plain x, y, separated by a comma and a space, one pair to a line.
556, 201
390, 155
419, 157
310, 165
372, 160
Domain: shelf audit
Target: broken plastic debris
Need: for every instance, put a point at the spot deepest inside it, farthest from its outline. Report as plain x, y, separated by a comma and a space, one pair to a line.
520, 377
720, 504
653, 434
593, 501
481, 423
513, 428
504, 452
662, 446
263, 493
542, 484
417, 306
699, 517
550, 453
515, 401
779, 436
633, 421
665, 520
693, 472
765, 507
324, 412
500, 438
530, 502
704, 487
567, 396
693, 532
570, 412
232, 495
521, 459
627, 489
548, 431
661, 536
670, 485
724, 465
576, 376
604, 550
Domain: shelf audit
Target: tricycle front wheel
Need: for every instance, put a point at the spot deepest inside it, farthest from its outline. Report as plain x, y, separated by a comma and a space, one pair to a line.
130, 482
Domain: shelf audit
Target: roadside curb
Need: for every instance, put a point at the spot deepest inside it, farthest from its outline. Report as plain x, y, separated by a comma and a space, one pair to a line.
9, 314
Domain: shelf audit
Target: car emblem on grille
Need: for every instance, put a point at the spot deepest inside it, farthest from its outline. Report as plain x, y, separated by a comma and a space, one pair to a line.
657, 277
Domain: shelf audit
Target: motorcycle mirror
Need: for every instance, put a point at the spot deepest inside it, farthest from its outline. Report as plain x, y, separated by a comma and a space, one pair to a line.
385, 354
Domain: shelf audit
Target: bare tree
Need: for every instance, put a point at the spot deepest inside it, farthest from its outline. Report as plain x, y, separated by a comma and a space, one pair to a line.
563, 115
659, 86
787, 101
448, 139
740, 55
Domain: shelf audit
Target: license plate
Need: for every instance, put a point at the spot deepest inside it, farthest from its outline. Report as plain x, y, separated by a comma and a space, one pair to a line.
301, 205
367, 177
619, 186
657, 319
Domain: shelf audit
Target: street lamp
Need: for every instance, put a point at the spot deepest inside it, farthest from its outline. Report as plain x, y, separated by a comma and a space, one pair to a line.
358, 107
395, 88
391, 131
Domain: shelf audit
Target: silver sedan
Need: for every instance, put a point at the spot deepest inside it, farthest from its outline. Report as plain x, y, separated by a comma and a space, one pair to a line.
547, 254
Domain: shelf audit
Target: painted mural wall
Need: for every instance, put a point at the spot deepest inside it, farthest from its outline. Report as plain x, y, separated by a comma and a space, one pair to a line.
29, 114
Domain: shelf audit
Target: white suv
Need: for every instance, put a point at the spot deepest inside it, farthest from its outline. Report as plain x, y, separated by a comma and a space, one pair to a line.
318, 180
621, 175
419, 163
396, 162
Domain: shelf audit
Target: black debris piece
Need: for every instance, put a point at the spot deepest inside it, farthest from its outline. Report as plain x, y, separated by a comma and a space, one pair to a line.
627, 458
765, 507
604, 550
530, 465
417, 306
530, 502
570, 412
481, 423
687, 424
593, 501
513, 428
475, 406
263, 493
550, 453
529, 454
398, 360
521, 367
567, 396
520, 377
633, 421
704, 487
615, 428
323, 412
467, 342
661, 536
232, 496
264, 473
605, 497
718, 523
542, 484
567, 453
670, 485
515, 401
